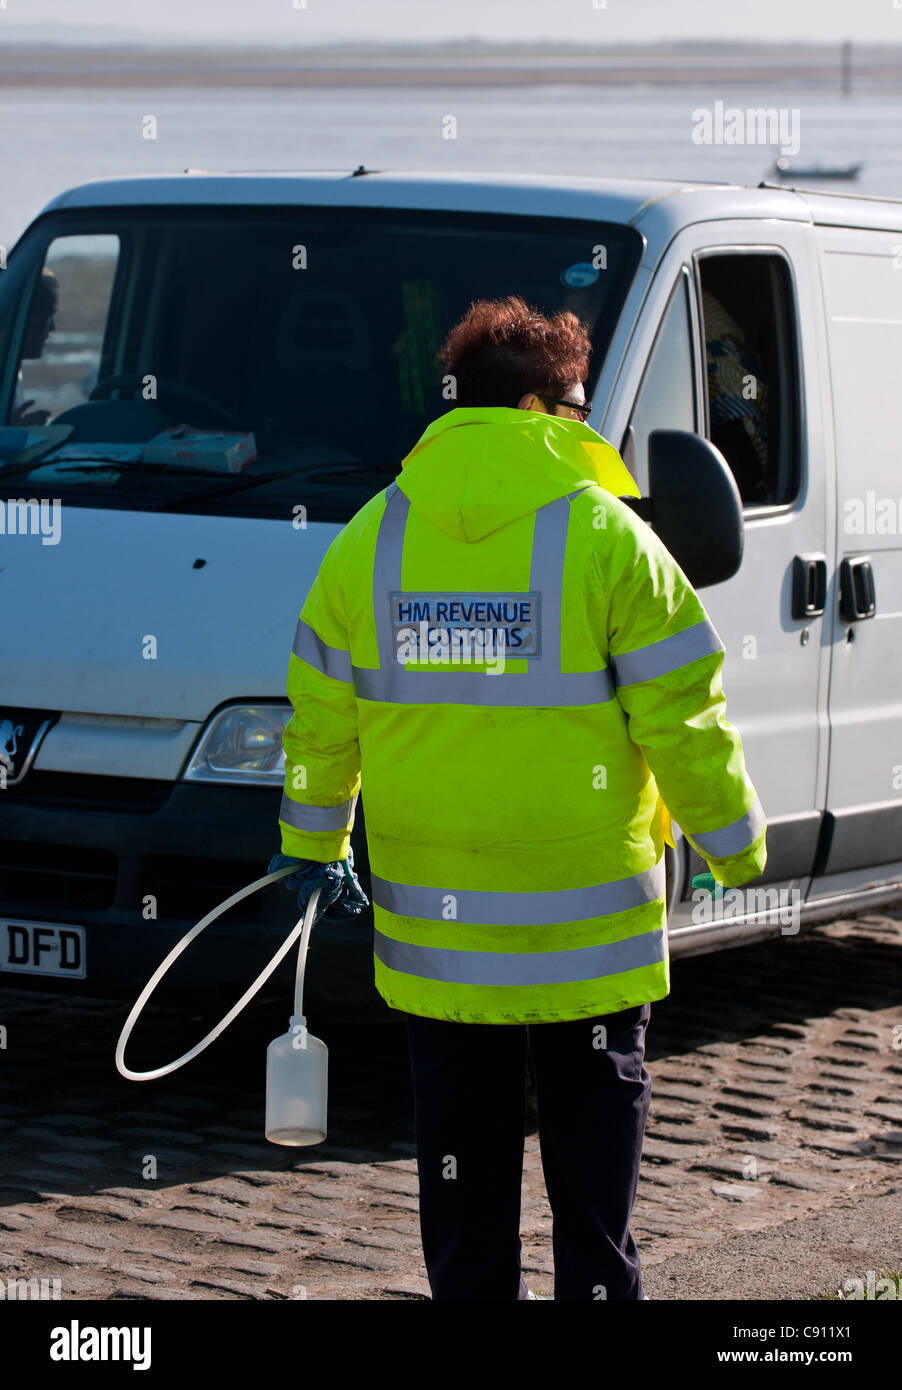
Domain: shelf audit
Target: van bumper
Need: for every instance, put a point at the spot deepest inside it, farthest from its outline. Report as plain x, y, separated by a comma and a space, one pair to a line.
136, 863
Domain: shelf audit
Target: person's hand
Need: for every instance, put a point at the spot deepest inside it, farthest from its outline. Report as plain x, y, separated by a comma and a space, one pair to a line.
341, 897
707, 883
37, 417
351, 900
310, 875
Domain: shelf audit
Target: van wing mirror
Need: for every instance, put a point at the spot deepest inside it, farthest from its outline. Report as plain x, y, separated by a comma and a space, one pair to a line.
695, 508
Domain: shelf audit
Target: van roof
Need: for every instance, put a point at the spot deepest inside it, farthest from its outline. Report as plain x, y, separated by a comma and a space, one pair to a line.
658, 206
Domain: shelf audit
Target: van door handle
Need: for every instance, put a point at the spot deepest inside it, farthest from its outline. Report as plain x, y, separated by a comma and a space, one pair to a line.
857, 595
809, 585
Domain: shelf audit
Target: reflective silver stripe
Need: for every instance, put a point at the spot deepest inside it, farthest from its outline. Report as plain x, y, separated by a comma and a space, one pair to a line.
546, 574
534, 968
505, 690
387, 580
483, 907
543, 684
305, 817
660, 658
332, 661
732, 839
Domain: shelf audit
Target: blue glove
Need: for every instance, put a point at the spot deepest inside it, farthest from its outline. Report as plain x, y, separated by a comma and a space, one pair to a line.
311, 874
708, 883
352, 899
341, 896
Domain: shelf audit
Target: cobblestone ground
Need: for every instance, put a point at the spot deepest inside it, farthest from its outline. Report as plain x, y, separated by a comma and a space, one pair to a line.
775, 1094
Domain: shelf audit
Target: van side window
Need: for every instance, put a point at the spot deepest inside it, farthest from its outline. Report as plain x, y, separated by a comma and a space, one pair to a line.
666, 399
60, 353
752, 376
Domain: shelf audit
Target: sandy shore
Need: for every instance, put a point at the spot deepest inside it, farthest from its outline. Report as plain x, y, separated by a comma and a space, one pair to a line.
817, 67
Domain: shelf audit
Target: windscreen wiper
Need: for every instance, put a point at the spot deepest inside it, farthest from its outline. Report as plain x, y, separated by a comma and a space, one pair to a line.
314, 471
352, 470
100, 464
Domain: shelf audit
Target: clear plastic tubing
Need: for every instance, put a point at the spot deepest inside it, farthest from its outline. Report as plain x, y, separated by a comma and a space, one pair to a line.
301, 929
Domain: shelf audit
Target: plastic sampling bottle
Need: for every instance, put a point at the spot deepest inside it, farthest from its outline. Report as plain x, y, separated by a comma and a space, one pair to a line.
297, 1086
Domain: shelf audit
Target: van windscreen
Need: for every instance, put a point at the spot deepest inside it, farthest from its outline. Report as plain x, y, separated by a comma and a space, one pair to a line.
305, 337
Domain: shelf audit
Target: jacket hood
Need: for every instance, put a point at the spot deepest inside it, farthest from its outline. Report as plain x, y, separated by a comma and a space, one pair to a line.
476, 469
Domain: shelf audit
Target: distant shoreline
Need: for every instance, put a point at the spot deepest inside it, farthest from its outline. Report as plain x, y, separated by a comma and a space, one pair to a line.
818, 67
446, 77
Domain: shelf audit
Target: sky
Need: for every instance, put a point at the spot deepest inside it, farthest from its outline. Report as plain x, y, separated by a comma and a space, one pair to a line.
302, 22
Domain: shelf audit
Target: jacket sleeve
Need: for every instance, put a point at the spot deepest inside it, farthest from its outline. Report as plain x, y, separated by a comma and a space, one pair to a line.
322, 752
667, 660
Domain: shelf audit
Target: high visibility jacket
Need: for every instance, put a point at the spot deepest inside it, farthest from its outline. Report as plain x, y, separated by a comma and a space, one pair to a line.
516, 806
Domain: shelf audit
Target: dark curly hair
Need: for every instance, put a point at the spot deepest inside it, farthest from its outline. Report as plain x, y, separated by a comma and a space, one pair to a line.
502, 348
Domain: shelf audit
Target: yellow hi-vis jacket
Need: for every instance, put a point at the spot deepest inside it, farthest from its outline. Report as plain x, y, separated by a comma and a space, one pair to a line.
520, 677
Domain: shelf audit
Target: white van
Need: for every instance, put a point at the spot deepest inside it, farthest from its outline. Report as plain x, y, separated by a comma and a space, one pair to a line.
747, 348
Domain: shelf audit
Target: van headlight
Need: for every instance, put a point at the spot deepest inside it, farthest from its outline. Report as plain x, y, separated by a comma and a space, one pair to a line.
242, 745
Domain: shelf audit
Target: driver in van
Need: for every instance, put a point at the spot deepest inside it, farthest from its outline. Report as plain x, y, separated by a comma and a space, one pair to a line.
40, 325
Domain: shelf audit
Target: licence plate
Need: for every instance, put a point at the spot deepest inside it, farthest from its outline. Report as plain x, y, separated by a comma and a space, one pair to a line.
43, 948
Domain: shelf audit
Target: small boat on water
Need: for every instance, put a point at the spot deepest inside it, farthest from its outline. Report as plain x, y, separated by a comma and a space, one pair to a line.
786, 170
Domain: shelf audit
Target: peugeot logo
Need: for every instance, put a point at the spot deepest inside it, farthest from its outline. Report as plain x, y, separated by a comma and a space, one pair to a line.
10, 733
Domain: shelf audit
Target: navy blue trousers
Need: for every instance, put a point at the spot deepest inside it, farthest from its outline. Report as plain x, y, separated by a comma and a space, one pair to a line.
469, 1087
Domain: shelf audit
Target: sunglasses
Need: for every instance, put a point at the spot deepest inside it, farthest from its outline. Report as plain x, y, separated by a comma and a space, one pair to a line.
583, 410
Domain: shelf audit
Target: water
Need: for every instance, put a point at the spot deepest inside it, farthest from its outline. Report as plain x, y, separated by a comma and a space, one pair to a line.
61, 137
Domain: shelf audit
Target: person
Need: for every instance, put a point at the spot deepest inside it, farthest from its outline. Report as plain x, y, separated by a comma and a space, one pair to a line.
39, 326
520, 677
739, 402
